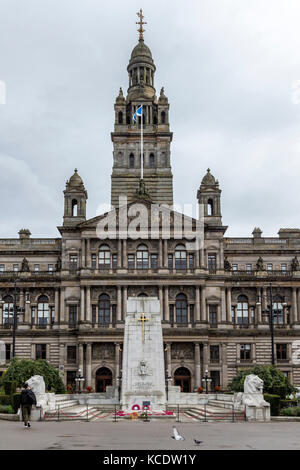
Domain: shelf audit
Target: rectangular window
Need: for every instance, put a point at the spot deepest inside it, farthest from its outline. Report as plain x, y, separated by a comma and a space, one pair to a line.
213, 309
94, 261
191, 261
36, 268
234, 267
249, 267
71, 376
16, 268
130, 261
72, 315
7, 352
245, 352
41, 351
192, 315
50, 268
283, 267
73, 262
214, 354
281, 352
170, 262
212, 263
154, 261
114, 262
33, 315
269, 267
2, 268
71, 354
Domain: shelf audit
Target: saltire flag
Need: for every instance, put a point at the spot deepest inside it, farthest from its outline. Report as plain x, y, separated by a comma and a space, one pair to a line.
138, 112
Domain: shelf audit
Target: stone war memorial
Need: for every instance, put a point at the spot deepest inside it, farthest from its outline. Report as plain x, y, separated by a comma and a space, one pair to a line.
144, 307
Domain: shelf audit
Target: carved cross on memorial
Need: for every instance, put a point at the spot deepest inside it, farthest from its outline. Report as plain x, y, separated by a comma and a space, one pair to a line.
143, 319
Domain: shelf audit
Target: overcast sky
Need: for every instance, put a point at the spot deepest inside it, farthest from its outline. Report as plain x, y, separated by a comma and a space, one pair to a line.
228, 68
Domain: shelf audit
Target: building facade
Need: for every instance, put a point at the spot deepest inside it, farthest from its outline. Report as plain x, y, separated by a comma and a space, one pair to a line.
71, 291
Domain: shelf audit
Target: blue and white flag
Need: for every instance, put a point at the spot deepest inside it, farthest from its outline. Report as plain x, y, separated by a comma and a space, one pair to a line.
138, 112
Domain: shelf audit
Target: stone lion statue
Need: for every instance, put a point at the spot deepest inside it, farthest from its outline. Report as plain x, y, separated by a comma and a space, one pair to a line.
253, 384
37, 384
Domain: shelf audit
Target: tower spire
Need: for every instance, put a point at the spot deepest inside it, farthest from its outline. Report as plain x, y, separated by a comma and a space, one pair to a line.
141, 30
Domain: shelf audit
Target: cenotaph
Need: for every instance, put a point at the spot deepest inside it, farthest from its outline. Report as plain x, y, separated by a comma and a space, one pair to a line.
143, 373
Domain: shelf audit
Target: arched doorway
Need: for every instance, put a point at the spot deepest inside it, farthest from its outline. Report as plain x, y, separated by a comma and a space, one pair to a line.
182, 377
103, 379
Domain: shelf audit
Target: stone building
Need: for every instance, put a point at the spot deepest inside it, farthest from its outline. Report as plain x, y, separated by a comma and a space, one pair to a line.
214, 298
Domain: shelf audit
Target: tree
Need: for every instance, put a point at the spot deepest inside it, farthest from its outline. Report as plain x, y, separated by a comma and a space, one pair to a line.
275, 381
21, 370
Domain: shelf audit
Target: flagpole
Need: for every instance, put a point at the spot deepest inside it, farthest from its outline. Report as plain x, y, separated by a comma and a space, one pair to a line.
142, 147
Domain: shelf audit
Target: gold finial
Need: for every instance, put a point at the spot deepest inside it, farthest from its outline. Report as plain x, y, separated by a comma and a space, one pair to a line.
141, 23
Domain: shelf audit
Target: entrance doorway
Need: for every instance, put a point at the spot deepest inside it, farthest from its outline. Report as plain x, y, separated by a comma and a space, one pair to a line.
182, 377
103, 379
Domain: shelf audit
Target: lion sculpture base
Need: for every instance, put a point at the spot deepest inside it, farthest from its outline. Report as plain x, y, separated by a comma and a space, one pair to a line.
45, 401
252, 400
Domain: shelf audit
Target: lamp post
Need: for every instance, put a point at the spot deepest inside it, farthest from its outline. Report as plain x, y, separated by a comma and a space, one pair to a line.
119, 379
168, 379
269, 312
206, 379
79, 379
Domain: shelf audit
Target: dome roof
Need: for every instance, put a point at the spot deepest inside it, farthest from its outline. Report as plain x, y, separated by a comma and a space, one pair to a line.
209, 179
141, 50
75, 180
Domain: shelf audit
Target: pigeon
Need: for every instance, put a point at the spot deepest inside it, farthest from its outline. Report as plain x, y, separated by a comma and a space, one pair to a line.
176, 435
197, 442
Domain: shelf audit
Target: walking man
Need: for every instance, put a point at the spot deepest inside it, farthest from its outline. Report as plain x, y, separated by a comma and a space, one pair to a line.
27, 400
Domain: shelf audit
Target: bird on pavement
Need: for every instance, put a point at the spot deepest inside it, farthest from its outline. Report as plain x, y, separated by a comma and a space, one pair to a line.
197, 442
176, 435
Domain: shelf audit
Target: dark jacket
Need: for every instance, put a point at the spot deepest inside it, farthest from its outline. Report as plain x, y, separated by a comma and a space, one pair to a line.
27, 397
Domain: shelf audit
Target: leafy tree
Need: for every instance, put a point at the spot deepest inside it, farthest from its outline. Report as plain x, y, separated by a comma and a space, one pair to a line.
275, 381
21, 370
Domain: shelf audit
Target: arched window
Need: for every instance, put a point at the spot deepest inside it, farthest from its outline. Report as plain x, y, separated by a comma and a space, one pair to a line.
8, 310
104, 257
104, 309
74, 208
181, 309
131, 160
278, 310
210, 207
142, 257
242, 311
151, 160
163, 117
43, 310
142, 294
120, 117
180, 257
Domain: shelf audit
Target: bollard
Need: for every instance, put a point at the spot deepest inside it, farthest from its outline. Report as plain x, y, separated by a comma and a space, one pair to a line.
57, 412
178, 411
115, 415
87, 412
232, 412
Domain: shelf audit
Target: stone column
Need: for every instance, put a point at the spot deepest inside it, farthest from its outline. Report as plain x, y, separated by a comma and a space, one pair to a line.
62, 349
259, 318
62, 305
82, 304
56, 306
166, 309
1, 314
88, 253
88, 365
117, 363
161, 301
88, 305
165, 253
27, 311
203, 305
228, 305
294, 305
124, 254
22, 303
224, 377
124, 302
205, 356
119, 303
197, 259
223, 305
160, 254
197, 306
83, 257
264, 302
197, 365
119, 256
80, 356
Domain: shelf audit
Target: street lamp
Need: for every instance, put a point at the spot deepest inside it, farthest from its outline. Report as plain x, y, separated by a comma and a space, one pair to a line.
119, 379
168, 379
79, 379
269, 312
206, 379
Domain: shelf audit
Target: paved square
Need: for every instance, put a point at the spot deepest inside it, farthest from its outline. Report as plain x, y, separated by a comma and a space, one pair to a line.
148, 436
